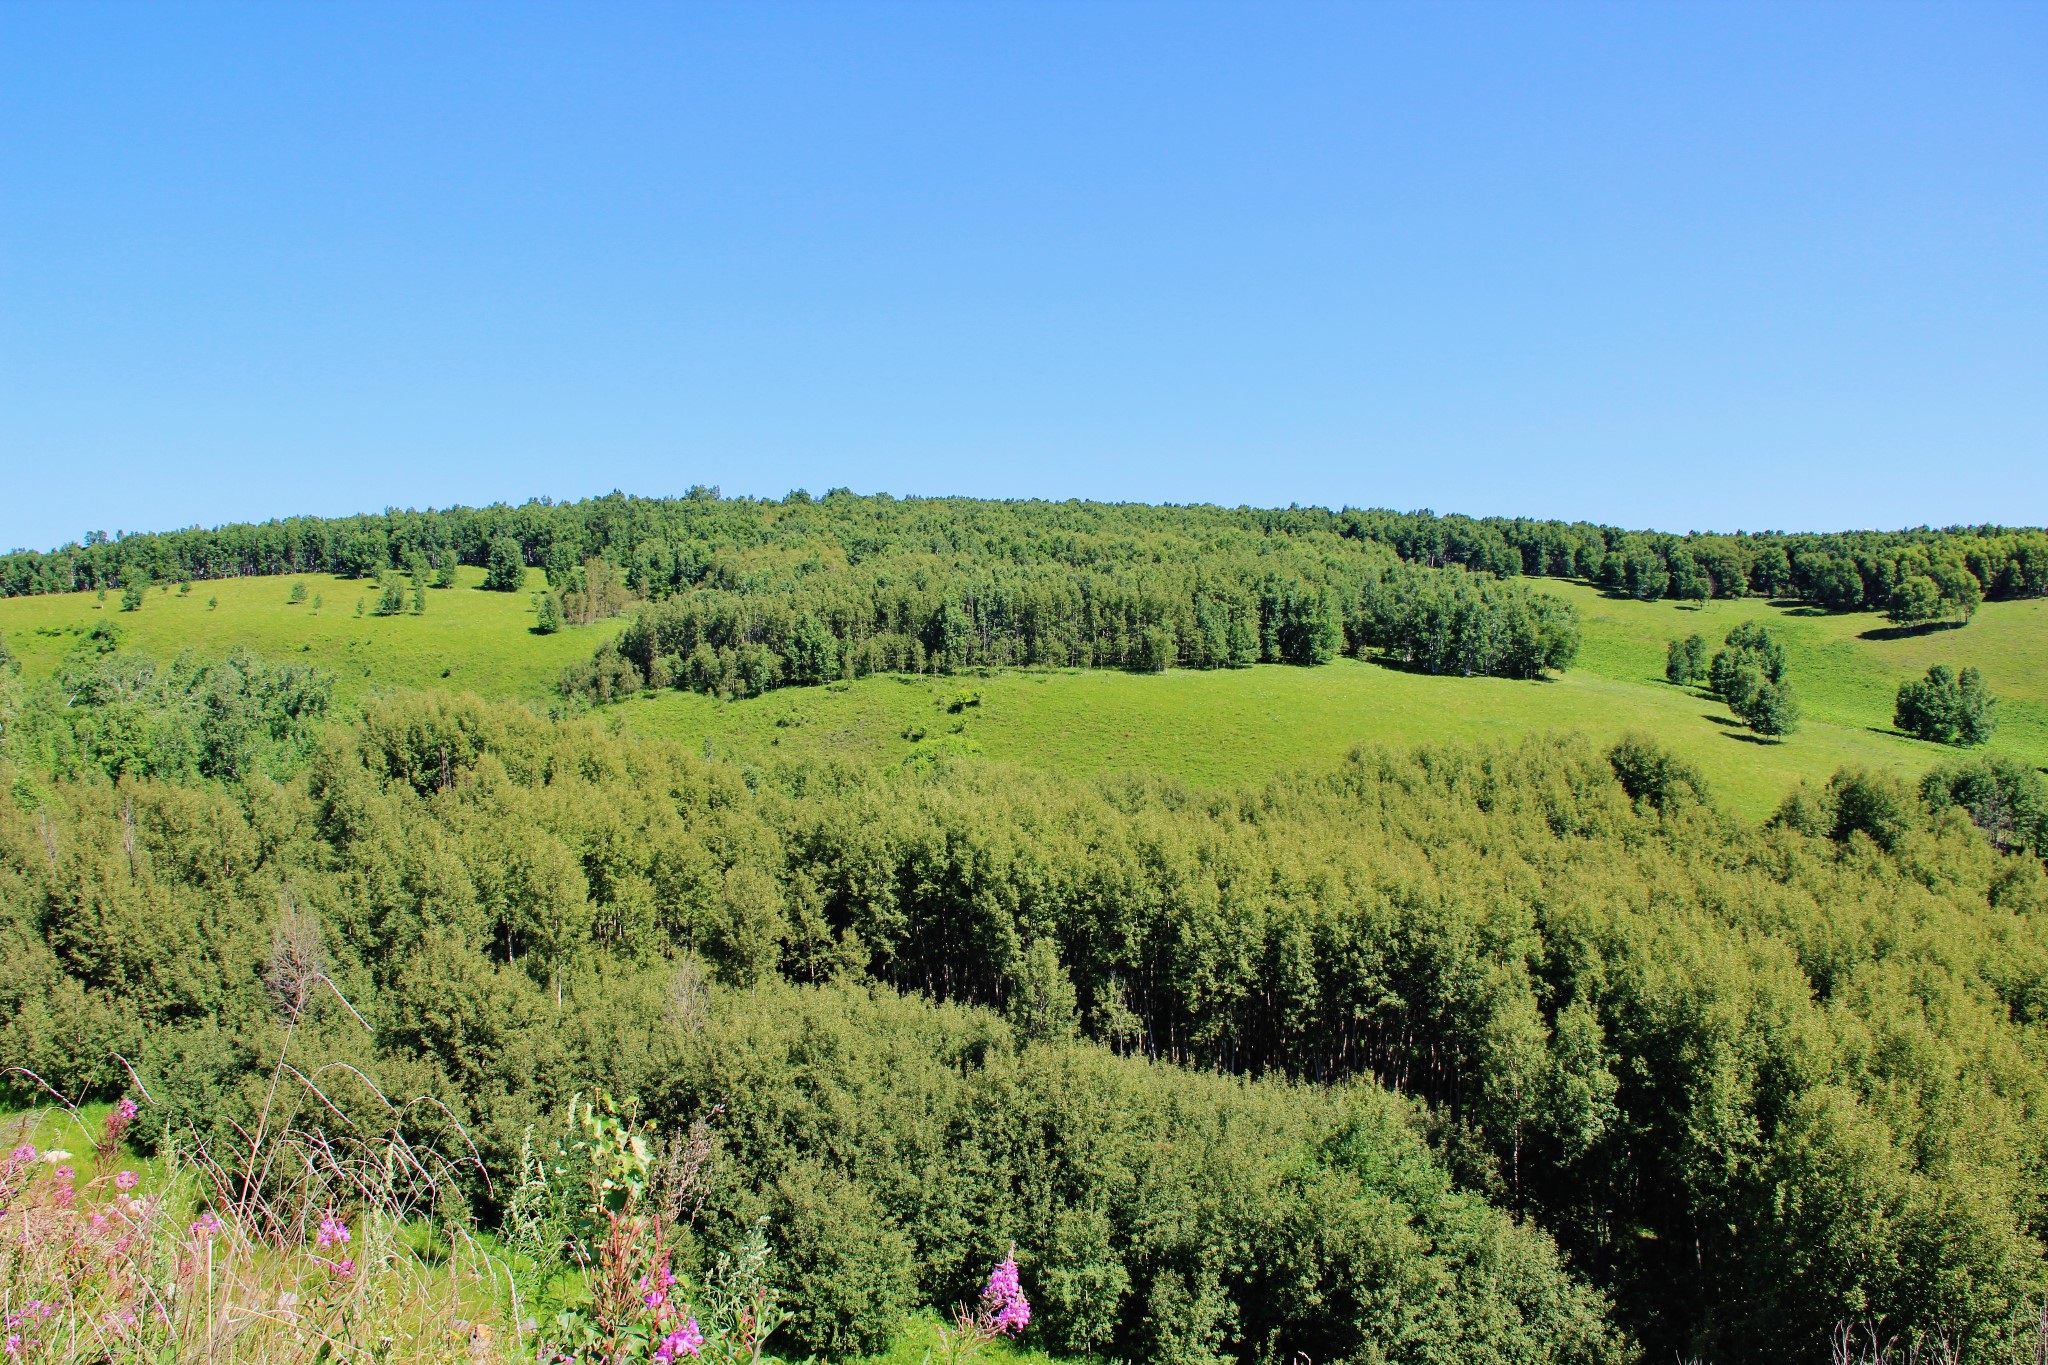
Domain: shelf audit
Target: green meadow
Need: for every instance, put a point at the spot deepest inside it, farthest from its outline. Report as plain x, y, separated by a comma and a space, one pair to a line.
467, 639
1230, 727
1207, 728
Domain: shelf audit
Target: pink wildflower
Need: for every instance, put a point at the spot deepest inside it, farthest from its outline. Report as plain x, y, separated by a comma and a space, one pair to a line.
205, 1226
22, 1155
1003, 1299
333, 1232
126, 1180
684, 1341
66, 1174
125, 1110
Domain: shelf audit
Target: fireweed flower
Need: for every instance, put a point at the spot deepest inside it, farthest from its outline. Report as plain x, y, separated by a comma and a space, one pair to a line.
126, 1180
125, 1110
22, 1155
205, 1226
684, 1341
333, 1232
1003, 1299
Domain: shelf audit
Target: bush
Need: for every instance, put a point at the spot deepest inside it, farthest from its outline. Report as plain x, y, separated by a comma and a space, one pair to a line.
844, 1263
1650, 774
1876, 804
547, 613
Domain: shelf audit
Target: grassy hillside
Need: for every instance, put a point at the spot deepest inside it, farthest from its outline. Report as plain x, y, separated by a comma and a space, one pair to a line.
468, 639
1207, 728
1243, 725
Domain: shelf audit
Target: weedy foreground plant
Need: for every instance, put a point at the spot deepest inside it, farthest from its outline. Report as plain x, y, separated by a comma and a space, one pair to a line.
321, 1242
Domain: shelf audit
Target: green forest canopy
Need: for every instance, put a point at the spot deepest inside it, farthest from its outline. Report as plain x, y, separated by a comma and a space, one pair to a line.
1516, 1052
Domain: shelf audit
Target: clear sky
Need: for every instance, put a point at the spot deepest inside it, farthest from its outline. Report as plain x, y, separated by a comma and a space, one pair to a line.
1670, 265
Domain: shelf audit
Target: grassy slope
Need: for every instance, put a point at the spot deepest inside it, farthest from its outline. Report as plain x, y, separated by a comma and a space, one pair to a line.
1229, 727
1208, 728
482, 639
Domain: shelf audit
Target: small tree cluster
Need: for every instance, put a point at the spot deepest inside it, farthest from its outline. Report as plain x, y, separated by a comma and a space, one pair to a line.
1685, 661
2004, 798
1945, 591
390, 596
1946, 707
1750, 676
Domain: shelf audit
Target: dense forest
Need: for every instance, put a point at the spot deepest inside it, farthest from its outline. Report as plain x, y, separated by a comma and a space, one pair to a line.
1517, 1053
666, 546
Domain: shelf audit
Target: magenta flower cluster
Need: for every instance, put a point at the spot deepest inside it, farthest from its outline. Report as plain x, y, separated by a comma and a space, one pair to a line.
1003, 1301
684, 1341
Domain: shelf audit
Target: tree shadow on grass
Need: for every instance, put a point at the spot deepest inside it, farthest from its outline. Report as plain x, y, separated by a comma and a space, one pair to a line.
1907, 632
1736, 730
1417, 670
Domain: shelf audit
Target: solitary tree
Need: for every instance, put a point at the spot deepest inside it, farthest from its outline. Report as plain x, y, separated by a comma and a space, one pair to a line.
506, 571
1750, 676
547, 613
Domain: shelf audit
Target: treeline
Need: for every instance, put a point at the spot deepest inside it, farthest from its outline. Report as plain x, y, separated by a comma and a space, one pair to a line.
923, 614
1917, 575
1751, 1081
671, 545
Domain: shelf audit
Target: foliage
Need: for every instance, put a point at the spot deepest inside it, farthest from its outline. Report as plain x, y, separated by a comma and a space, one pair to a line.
1946, 707
2007, 800
125, 715
666, 545
547, 612
1750, 676
1644, 1027
1685, 661
505, 570
390, 595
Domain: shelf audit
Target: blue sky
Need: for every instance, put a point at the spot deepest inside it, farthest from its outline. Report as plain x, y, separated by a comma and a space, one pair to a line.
1682, 266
